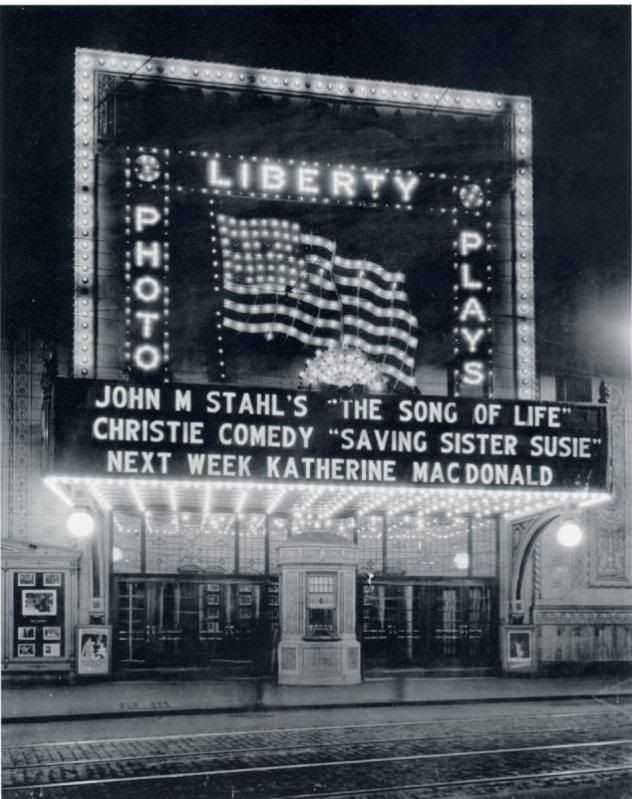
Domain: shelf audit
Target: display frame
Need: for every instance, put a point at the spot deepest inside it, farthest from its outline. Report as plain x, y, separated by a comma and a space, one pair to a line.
101, 636
37, 602
519, 649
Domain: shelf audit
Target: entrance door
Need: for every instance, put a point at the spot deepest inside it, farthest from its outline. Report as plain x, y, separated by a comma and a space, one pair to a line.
177, 622
455, 625
385, 617
430, 625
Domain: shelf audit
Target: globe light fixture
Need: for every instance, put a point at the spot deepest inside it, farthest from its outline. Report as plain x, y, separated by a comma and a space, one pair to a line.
569, 533
462, 560
81, 522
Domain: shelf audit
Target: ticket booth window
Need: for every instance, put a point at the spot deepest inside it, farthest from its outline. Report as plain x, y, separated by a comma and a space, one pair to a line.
321, 606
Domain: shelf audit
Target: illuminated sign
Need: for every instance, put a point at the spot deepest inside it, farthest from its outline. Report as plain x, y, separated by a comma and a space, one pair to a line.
310, 180
290, 273
474, 285
147, 296
197, 432
251, 221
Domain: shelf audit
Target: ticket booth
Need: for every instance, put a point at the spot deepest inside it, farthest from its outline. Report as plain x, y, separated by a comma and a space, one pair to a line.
318, 644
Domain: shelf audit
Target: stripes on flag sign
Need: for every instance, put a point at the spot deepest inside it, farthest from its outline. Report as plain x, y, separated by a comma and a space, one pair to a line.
280, 280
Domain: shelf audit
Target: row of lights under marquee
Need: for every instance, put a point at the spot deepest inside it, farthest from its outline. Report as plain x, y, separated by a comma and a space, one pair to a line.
326, 501
404, 529
90, 64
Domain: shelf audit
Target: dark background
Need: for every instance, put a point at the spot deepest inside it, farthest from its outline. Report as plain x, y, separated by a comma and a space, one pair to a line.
573, 61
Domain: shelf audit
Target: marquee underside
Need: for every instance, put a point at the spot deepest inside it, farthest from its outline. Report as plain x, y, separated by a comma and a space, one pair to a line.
323, 501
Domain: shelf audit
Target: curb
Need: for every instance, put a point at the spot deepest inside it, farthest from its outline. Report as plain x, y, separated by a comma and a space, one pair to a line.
259, 707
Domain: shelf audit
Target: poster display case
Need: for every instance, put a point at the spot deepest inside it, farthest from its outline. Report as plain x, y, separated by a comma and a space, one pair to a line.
94, 650
40, 597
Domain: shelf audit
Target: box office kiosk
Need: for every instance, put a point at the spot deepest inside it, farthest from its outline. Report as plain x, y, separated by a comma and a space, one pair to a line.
318, 644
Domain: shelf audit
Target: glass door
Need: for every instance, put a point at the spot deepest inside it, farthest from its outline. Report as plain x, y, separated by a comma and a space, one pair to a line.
130, 618
177, 622
443, 624
456, 625
385, 624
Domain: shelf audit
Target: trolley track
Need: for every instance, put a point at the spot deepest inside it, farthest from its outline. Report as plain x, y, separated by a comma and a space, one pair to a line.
240, 740
378, 776
296, 750
446, 789
393, 759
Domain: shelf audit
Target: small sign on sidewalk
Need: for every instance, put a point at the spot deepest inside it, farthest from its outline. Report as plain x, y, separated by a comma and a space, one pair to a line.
94, 649
519, 648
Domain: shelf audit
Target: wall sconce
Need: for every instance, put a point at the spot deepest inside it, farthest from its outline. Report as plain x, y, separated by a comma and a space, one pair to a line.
570, 532
81, 522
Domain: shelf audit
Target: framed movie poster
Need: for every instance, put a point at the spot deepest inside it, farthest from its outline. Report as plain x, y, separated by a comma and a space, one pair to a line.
94, 649
520, 645
520, 649
39, 603
39, 614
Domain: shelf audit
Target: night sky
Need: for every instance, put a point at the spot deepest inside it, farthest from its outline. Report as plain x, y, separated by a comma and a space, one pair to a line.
573, 61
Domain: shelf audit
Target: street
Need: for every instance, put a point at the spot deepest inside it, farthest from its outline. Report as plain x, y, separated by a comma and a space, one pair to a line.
579, 748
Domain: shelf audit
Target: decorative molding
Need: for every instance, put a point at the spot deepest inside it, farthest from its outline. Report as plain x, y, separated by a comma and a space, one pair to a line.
327, 554
213, 75
583, 615
537, 570
19, 444
610, 556
48, 358
106, 104
289, 658
580, 565
519, 529
611, 550
15, 554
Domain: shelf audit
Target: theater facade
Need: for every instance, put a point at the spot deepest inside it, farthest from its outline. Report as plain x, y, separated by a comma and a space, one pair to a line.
303, 307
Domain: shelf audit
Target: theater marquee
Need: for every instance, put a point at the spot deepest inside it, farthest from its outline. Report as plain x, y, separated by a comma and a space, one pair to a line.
233, 223
193, 433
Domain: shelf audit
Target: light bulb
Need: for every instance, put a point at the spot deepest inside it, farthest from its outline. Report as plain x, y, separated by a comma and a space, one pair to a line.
569, 533
81, 523
462, 560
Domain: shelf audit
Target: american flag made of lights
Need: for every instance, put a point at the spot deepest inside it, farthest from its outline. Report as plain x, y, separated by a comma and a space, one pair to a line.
279, 279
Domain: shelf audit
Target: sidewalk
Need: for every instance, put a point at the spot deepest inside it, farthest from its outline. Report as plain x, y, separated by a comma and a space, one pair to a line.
34, 703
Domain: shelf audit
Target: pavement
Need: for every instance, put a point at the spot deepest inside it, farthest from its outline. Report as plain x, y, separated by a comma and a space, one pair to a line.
24, 703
